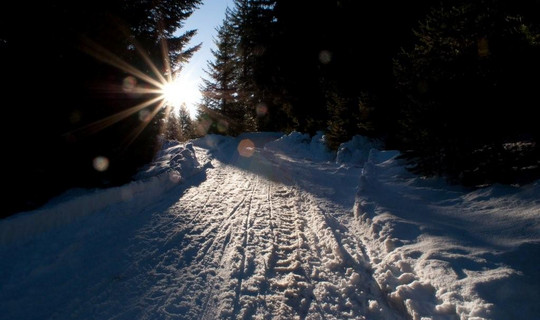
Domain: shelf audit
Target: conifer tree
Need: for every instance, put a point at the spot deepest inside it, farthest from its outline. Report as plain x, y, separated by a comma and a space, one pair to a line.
187, 130
221, 91
235, 91
172, 127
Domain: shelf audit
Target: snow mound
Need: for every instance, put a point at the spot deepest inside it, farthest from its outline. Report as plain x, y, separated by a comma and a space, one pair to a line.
356, 151
174, 158
302, 145
174, 163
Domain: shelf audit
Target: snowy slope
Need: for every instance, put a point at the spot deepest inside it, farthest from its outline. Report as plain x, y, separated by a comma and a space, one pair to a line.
267, 226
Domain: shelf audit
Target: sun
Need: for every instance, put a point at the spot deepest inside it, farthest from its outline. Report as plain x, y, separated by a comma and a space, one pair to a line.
174, 93
180, 90
165, 91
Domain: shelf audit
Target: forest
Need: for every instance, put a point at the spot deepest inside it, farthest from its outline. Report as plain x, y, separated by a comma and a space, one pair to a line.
452, 84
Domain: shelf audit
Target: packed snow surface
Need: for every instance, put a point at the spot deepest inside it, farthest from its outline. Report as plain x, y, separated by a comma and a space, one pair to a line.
271, 226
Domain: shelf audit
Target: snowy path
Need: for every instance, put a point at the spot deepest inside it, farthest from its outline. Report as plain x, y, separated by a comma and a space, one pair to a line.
275, 230
242, 246
244, 241
251, 247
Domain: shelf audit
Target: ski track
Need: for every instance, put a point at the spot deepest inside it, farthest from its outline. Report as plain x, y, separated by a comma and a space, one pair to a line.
239, 246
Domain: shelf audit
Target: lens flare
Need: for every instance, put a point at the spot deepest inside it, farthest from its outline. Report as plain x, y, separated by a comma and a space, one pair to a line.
261, 110
129, 84
101, 163
246, 148
325, 57
182, 90
144, 115
173, 93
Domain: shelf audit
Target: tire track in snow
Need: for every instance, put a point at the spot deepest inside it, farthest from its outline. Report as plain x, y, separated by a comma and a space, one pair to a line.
220, 225
238, 245
241, 270
179, 268
229, 237
246, 247
290, 266
224, 230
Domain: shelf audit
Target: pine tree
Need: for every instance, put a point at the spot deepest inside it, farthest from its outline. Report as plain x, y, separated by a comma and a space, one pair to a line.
172, 127
290, 62
187, 129
236, 92
221, 91
258, 77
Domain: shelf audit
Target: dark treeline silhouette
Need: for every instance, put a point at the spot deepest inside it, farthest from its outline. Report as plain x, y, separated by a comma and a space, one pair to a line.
59, 94
450, 83
470, 82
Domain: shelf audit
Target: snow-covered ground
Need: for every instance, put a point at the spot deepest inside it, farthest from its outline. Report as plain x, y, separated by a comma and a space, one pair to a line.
266, 226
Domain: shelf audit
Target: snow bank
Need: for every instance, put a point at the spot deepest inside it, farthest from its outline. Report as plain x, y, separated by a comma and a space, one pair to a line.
174, 163
356, 151
303, 146
443, 252
174, 158
212, 142
260, 139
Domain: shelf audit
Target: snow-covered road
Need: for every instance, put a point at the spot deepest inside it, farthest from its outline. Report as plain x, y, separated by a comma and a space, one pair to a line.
264, 229
242, 245
259, 236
